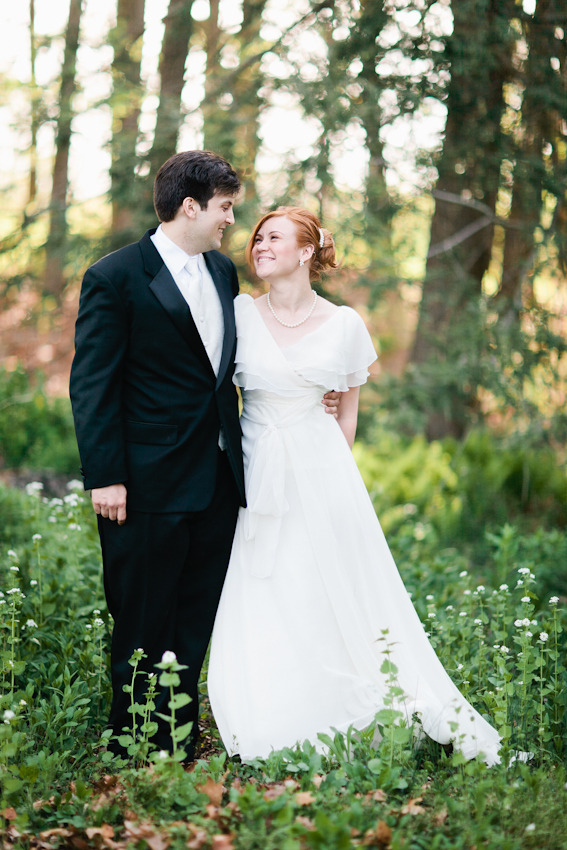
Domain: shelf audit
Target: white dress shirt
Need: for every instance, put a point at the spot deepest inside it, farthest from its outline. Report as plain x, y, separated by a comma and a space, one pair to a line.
206, 309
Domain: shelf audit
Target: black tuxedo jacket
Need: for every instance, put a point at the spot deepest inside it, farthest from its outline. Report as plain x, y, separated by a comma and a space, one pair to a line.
146, 402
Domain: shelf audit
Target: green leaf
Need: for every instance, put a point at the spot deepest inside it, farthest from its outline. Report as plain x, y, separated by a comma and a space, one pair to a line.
179, 700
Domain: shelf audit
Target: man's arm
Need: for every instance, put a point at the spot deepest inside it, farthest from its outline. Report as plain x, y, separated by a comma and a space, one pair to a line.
101, 337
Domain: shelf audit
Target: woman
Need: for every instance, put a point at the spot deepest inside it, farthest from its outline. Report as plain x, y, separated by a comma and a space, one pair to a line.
312, 600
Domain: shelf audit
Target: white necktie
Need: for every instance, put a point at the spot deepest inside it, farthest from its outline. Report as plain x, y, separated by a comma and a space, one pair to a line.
195, 285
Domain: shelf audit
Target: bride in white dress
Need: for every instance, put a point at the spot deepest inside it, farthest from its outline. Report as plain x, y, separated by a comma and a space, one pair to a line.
312, 598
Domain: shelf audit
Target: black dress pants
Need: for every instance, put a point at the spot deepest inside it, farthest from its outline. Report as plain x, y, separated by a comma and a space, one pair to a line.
163, 576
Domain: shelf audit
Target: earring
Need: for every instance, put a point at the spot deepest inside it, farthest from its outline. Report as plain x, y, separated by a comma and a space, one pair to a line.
301, 263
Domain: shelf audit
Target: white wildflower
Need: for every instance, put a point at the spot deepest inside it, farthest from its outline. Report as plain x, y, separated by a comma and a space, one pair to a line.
34, 488
518, 623
526, 621
14, 569
12, 554
524, 571
432, 615
98, 622
466, 593
449, 608
74, 484
543, 636
503, 587
23, 702
480, 588
530, 827
554, 600
33, 582
31, 624
519, 583
8, 715
478, 622
463, 573
168, 657
504, 649
462, 613
525, 599
430, 597
36, 538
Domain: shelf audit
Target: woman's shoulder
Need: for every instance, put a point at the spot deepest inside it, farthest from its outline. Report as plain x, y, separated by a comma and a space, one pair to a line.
243, 301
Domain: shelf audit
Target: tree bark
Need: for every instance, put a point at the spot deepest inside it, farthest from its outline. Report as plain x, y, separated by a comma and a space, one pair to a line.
175, 47
125, 103
34, 122
55, 248
448, 330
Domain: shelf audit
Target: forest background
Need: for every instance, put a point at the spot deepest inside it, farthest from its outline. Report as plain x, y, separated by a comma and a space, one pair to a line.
433, 149
431, 139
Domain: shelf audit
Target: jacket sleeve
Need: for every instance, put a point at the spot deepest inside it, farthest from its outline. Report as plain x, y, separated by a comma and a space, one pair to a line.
101, 339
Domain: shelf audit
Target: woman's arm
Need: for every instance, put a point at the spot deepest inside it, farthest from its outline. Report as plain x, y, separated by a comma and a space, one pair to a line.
347, 415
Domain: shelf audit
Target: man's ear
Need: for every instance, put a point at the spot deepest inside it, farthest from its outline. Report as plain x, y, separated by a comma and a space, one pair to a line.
190, 207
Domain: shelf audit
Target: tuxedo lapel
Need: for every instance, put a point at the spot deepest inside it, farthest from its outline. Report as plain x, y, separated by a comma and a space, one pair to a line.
223, 285
167, 293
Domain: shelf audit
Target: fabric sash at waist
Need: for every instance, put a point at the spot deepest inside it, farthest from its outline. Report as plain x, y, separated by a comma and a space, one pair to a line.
265, 475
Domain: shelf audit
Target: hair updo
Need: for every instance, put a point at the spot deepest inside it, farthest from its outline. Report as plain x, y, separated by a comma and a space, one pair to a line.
309, 232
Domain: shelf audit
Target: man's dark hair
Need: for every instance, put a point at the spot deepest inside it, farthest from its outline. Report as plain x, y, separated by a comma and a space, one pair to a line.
192, 174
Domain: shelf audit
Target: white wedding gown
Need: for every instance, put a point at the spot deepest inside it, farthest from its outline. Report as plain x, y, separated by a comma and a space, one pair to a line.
312, 587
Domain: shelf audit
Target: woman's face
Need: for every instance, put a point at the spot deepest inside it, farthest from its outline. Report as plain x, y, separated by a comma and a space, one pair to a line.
275, 252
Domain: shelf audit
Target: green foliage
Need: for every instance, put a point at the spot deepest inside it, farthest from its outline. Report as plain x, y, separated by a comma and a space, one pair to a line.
502, 641
460, 489
36, 432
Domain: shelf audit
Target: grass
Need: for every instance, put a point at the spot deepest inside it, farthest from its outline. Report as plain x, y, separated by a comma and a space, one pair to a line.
502, 640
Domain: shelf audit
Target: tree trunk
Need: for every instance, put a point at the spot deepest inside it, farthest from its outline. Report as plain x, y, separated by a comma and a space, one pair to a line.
449, 333
55, 248
125, 103
175, 47
34, 122
539, 126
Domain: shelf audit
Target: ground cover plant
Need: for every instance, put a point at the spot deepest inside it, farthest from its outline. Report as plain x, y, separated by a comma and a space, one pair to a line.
493, 617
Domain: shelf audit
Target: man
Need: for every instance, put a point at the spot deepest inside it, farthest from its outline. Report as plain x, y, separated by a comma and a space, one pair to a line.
156, 418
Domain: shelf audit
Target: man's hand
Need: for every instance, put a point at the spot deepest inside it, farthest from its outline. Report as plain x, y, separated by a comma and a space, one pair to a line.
110, 502
331, 401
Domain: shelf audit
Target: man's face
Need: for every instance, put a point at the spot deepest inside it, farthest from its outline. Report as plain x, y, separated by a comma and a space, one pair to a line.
209, 224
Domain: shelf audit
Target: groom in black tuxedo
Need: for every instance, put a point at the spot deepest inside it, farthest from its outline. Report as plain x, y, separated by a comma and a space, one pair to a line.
156, 418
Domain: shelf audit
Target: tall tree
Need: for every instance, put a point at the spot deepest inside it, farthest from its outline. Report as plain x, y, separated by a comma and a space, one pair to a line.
175, 47
449, 333
34, 109
125, 103
537, 151
55, 247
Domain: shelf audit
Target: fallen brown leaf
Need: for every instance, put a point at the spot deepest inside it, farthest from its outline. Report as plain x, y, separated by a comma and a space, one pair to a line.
105, 831
412, 807
379, 837
304, 798
222, 842
213, 790
317, 780
441, 817
304, 821
9, 813
378, 796
383, 833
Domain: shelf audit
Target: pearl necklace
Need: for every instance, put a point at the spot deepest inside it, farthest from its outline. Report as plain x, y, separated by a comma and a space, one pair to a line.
289, 324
